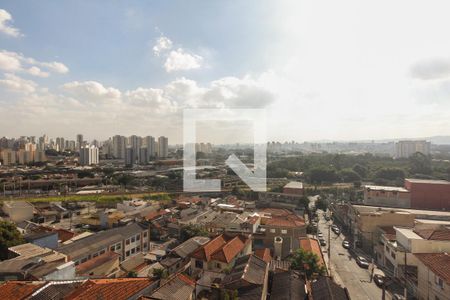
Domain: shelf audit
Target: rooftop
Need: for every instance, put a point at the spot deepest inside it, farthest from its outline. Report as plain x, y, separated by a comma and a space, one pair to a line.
288, 285
19, 289
264, 254
434, 234
294, 185
386, 188
100, 240
178, 287
186, 248
438, 263
222, 248
312, 245
86, 267
29, 250
429, 181
119, 288
248, 270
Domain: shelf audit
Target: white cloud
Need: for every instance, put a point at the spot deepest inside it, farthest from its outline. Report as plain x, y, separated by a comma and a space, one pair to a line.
91, 90
162, 44
17, 62
431, 69
16, 84
5, 18
180, 60
35, 71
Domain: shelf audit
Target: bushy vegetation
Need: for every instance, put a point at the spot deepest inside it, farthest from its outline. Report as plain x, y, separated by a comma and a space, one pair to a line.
327, 168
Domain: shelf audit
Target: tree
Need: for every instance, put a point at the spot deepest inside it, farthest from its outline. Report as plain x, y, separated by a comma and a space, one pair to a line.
348, 175
420, 164
307, 262
321, 204
390, 174
361, 170
322, 175
160, 273
9, 237
188, 231
132, 274
125, 179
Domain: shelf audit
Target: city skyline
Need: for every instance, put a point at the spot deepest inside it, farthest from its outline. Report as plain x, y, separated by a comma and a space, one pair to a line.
329, 77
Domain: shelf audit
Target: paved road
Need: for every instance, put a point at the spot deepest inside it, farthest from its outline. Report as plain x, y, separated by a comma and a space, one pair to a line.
349, 274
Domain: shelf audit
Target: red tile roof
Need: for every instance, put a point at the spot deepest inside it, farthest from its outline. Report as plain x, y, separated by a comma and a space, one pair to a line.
117, 289
222, 248
264, 254
434, 234
13, 290
438, 263
85, 267
312, 245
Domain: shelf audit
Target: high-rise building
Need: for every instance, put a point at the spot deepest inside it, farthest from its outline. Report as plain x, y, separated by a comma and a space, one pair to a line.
80, 141
89, 155
8, 157
118, 146
163, 147
143, 156
151, 147
404, 149
135, 142
129, 157
60, 145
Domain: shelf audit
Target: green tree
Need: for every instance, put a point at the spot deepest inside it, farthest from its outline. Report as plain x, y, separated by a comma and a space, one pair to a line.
188, 231
9, 237
361, 170
322, 204
348, 175
307, 262
159, 273
132, 274
323, 175
420, 164
390, 174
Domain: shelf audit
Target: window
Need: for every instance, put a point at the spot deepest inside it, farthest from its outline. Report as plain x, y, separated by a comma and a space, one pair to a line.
118, 246
218, 265
439, 282
393, 254
283, 231
133, 239
272, 230
112, 248
133, 250
145, 234
138, 248
127, 253
138, 237
95, 255
103, 251
127, 242
198, 264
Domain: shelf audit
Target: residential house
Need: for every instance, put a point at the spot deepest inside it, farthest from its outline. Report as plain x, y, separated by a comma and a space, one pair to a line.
104, 265
433, 272
220, 253
176, 287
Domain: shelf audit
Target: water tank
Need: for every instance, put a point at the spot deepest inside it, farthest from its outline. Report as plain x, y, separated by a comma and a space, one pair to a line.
278, 246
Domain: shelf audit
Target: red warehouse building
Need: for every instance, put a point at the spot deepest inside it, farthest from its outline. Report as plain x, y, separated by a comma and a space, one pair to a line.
429, 194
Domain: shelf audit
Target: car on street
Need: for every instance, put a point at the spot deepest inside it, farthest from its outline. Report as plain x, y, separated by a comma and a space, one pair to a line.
362, 262
398, 297
334, 227
337, 231
379, 280
322, 242
320, 235
346, 244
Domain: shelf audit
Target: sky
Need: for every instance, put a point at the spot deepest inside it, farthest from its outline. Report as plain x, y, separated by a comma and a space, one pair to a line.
322, 70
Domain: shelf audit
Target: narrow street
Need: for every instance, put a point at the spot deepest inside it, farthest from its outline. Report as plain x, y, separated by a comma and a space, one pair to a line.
345, 269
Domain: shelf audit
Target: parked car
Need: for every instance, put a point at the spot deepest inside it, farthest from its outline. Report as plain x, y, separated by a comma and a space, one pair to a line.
379, 280
362, 262
334, 227
346, 244
398, 297
322, 243
320, 235
337, 231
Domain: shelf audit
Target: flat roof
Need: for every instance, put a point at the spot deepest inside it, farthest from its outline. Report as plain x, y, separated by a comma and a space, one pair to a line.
386, 188
409, 233
370, 208
431, 181
294, 185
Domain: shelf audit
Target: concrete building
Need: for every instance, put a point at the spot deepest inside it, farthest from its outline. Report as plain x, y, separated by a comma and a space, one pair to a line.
143, 156
129, 157
8, 157
429, 194
387, 196
150, 142
404, 149
127, 241
18, 211
80, 142
89, 155
119, 145
163, 147
293, 188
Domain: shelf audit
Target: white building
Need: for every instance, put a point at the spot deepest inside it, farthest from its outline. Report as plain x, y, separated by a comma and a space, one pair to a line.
404, 149
89, 156
119, 145
163, 147
150, 142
